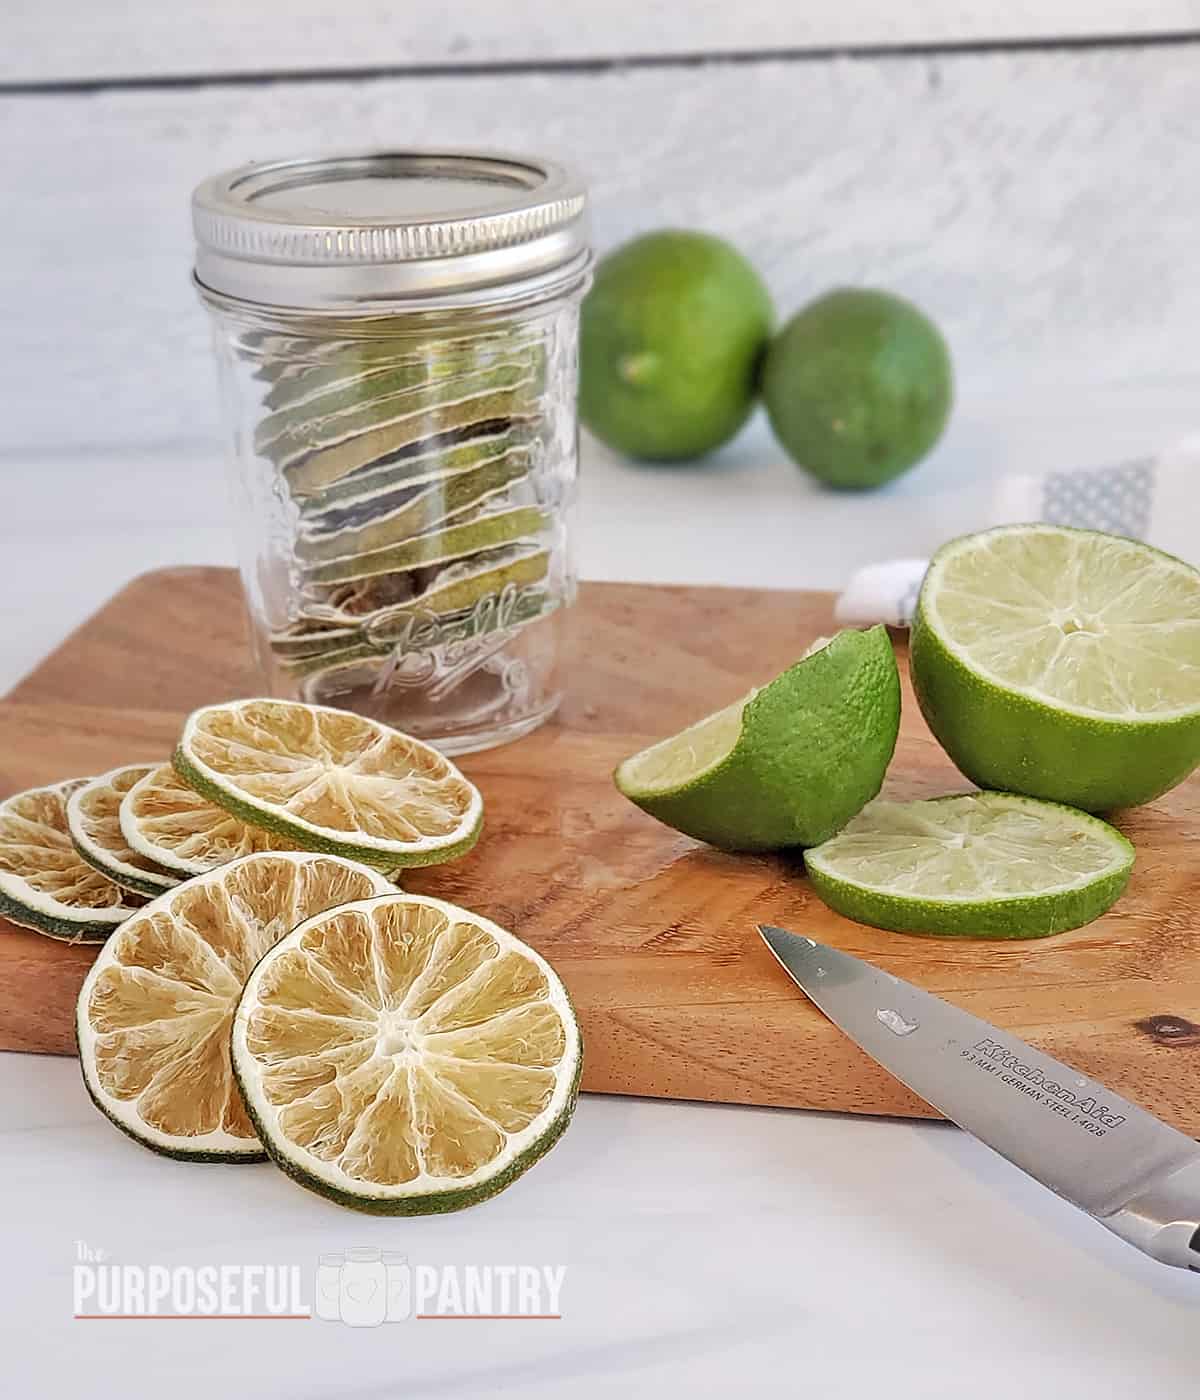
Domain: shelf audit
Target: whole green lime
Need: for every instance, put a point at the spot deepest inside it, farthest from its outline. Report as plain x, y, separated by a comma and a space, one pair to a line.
671, 341
858, 386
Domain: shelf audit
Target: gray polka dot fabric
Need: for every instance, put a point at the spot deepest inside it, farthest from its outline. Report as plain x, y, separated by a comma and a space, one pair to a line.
1116, 499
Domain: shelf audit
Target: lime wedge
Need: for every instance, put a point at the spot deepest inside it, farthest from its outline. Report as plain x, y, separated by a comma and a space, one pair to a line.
787, 765
979, 865
1061, 663
403, 1056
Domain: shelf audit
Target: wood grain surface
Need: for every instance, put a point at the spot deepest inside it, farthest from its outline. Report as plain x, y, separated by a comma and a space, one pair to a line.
653, 933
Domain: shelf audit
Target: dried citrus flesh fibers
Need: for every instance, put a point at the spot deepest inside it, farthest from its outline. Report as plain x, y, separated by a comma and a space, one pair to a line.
154, 1013
405, 1056
94, 819
45, 884
325, 779
170, 823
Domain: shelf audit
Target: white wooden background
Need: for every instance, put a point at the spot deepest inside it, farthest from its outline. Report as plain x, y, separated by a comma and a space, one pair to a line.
76, 40
1043, 204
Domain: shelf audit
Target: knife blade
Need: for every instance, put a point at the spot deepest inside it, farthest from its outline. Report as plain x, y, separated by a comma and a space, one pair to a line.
1136, 1175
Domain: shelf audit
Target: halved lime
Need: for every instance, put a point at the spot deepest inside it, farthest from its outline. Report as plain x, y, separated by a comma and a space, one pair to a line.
94, 821
154, 1013
45, 884
403, 1056
168, 822
786, 765
978, 865
1061, 663
327, 780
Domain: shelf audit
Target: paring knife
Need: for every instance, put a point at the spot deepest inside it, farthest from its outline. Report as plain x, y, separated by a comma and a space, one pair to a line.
1135, 1175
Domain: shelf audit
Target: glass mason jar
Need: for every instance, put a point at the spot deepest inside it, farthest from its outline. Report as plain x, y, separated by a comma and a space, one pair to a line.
396, 335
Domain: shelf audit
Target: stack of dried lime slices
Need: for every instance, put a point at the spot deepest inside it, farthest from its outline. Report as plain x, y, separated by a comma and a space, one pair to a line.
409, 467
264, 990
77, 858
395, 1053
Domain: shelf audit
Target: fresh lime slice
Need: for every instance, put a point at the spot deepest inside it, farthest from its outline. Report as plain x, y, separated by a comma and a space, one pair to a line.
45, 884
94, 820
980, 865
169, 823
327, 780
489, 529
787, 765
154, 1012
403, 1056
1064, 664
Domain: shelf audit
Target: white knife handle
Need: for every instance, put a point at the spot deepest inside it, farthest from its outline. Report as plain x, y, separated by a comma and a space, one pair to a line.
1164, 1221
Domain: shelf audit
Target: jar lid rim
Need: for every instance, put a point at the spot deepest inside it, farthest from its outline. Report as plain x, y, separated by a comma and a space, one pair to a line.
343, 228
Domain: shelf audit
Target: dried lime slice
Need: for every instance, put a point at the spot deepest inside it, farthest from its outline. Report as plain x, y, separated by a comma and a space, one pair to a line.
408, 512
382, 605
304, 638
45, 884
308, 469
403, 1056
94, 820
488, 530
170, 823
327, 780
154, 1014
393, 394
427, 463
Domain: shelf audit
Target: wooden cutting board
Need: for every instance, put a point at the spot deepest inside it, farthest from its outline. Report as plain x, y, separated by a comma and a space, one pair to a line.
653, 933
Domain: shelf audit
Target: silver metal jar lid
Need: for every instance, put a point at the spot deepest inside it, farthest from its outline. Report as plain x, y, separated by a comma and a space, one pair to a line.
353, 231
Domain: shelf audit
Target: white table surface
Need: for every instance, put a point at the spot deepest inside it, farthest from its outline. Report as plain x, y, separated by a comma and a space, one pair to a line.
710, 1250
